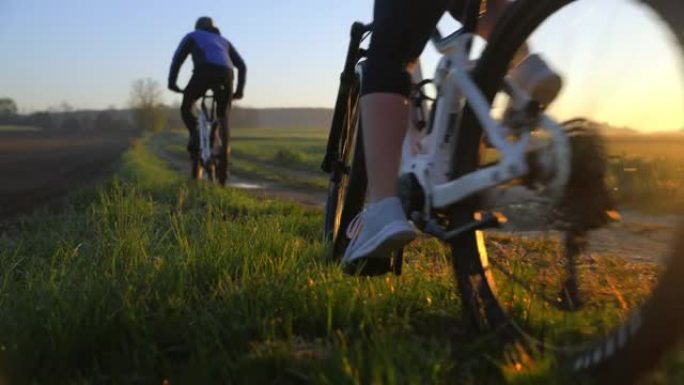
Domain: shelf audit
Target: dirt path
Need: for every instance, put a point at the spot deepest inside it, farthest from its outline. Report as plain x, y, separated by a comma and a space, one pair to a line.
636, 236
257, 186
293, 173
38, 167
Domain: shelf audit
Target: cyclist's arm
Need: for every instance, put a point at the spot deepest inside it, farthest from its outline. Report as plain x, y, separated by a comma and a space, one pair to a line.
182, 52
239, 63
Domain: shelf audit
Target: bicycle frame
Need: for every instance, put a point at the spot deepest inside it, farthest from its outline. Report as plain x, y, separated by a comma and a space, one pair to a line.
205, 124
432, 166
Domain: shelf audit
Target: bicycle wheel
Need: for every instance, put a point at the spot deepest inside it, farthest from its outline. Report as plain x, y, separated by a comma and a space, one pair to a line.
563, 276
346, 193
222, 152
195, 167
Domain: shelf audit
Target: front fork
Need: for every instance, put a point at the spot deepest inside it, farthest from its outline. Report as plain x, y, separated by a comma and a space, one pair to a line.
331, 161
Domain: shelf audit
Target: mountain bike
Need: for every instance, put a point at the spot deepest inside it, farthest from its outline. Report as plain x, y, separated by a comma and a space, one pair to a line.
561, 269
212, 162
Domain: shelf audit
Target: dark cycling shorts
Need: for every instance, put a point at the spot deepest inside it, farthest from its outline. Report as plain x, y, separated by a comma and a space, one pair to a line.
220, 81
401, 28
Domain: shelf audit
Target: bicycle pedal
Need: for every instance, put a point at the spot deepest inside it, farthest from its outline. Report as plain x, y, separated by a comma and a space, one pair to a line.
482, 221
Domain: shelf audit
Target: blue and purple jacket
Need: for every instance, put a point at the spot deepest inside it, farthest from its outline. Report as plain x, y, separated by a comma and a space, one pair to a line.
211, 54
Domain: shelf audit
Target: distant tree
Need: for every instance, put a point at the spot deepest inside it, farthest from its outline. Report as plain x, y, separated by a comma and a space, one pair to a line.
173, 117
64, 107
71, 123
104, 121
146, 104
8, 110
42, 119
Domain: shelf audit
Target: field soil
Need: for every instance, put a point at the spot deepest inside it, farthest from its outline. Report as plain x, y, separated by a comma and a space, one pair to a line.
40, 166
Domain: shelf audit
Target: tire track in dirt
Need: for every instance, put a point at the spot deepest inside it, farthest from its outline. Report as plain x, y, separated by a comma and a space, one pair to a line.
308, 196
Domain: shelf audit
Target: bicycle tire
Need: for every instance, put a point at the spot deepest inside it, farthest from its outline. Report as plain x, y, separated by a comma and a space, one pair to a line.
347, 195
660, 318
222, 165
195, 167
337, 174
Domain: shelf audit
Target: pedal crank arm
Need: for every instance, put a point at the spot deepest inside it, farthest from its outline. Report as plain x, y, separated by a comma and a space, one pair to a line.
397, 261
487, 221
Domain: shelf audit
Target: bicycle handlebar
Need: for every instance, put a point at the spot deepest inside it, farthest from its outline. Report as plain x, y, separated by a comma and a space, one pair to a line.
359, 29
208, 94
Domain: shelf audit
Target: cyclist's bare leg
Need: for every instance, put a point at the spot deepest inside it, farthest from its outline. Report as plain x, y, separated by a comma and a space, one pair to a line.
384, 106
385, 117
400, 30
383, 134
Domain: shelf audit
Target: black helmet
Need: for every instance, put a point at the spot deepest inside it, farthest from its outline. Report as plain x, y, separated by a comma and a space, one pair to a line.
204, 22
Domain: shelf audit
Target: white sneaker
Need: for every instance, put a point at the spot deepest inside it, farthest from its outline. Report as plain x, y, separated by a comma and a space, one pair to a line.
375, 233
534, 76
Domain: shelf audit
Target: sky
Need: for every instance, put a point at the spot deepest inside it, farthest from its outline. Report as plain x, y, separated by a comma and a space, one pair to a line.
88, 52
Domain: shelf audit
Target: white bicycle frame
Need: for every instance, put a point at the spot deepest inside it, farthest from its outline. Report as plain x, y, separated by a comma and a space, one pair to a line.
204, 126
429, 156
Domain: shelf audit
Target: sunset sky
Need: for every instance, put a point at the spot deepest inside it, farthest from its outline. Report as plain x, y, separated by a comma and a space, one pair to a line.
87, 53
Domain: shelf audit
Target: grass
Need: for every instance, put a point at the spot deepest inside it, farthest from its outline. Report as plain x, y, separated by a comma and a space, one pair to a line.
645, 172
151, 278
609, 284
275, 174
652, 146
288, 156
647, 183
299, 149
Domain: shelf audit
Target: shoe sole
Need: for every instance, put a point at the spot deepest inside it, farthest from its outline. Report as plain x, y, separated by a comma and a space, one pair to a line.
375, 258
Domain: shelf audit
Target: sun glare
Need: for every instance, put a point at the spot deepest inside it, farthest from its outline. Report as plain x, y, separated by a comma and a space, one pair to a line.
619, 63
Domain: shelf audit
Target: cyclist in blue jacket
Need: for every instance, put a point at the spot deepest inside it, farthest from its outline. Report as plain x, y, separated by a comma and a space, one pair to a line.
214, 60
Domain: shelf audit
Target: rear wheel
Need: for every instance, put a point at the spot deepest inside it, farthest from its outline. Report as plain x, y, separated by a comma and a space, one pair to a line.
195, 166
562, 277
223, 154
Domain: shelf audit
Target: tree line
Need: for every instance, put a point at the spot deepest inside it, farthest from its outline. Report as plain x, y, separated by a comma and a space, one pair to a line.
147, 111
